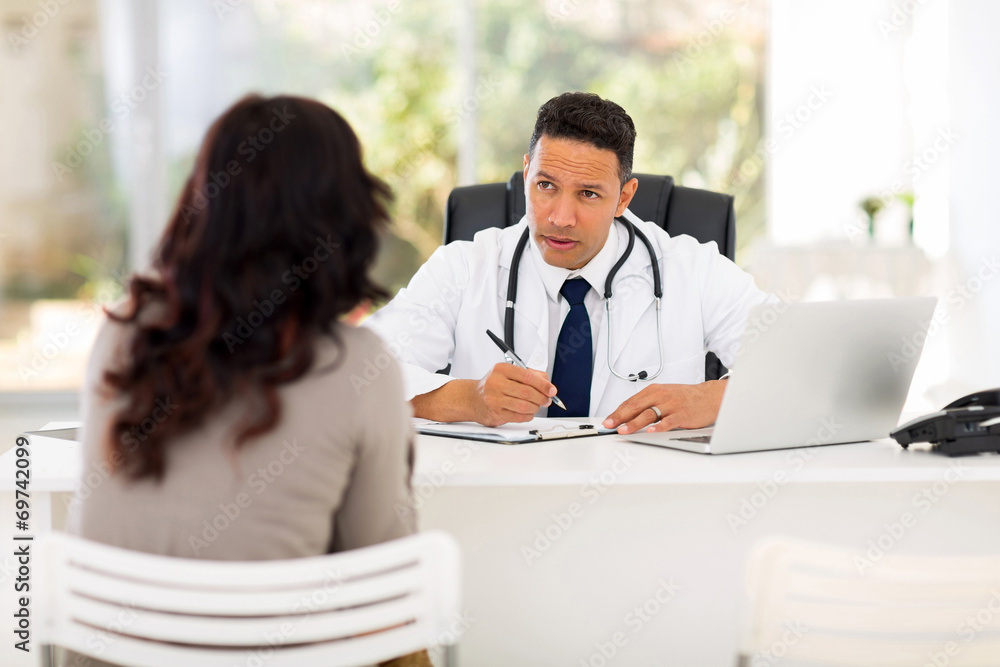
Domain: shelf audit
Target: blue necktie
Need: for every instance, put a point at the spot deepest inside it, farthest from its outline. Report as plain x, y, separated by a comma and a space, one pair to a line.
571, 372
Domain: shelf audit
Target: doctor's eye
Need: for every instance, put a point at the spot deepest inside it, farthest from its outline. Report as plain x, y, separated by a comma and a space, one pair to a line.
590, 194
545, 185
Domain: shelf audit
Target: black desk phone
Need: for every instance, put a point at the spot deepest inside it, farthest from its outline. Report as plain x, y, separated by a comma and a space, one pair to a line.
970, 425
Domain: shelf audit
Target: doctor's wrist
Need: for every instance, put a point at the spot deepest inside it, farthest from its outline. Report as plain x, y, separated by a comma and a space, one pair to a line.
453, 401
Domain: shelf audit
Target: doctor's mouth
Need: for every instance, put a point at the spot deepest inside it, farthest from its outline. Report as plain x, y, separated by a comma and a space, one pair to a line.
558, 243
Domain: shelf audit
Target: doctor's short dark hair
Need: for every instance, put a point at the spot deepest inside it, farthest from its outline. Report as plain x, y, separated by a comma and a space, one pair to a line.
589, 118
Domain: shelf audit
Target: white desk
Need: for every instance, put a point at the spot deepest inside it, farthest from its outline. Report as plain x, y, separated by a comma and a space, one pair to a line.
636, 519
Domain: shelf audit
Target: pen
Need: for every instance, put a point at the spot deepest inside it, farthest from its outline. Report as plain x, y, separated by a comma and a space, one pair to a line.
516, 360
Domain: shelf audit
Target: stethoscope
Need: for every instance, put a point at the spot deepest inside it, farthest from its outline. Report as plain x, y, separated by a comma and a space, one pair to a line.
633, 231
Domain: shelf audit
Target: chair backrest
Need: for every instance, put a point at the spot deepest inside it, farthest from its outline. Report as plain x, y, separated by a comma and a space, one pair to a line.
353, 608
707, 216
814, 604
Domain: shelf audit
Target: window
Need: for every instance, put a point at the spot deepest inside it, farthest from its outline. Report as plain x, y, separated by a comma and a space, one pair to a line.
62, 235
440, 92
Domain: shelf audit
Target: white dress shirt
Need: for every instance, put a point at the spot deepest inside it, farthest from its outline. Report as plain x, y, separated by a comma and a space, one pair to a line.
594, 272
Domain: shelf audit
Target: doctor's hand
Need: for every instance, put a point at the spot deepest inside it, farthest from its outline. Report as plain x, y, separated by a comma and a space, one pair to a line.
679, 405
511, 394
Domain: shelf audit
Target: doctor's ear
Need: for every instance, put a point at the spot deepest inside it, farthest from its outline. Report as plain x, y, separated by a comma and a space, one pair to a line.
628, 191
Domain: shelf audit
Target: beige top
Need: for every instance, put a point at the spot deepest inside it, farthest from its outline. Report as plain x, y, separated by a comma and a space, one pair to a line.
333, 475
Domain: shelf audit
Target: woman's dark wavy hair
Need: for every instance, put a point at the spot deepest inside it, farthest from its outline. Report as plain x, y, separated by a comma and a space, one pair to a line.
269, 245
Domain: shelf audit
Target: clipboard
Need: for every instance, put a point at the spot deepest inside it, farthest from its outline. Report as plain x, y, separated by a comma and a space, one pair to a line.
539, 429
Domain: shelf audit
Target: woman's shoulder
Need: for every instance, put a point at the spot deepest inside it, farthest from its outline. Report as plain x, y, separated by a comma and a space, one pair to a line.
349, 340
356, 351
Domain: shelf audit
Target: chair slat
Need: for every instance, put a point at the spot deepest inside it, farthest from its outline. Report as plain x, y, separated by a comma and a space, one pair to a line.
111, 620
343, 653
937, 590
836, 651
248, 603
184, 572
859, 620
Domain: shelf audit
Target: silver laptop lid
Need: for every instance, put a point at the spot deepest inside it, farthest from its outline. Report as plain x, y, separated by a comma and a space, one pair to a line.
821, 373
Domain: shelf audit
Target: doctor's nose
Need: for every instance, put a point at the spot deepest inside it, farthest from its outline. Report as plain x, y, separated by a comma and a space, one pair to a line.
562, 213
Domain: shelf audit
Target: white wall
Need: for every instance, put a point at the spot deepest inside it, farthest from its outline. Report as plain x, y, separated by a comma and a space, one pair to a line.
913, 89
974, 96
835, 110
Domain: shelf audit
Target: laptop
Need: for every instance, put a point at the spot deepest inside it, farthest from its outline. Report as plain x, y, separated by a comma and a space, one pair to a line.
814, 374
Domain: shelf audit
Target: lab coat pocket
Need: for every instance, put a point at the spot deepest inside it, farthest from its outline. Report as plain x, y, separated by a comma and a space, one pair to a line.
690, 370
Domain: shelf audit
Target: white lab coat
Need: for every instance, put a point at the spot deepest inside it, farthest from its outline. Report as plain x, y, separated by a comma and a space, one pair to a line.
442, 316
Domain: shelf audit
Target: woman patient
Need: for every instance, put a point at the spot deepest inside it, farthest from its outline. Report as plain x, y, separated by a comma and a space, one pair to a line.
225, 394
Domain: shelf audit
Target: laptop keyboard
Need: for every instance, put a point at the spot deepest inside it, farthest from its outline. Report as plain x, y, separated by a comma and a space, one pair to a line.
704, 439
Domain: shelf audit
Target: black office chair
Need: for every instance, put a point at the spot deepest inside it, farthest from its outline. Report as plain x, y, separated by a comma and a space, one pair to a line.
707, 216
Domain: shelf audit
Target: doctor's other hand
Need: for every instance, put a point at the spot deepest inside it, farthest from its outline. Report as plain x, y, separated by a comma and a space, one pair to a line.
680, 406
511, 394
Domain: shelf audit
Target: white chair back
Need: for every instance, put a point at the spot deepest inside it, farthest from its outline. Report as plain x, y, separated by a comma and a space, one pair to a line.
811, 604
352, 608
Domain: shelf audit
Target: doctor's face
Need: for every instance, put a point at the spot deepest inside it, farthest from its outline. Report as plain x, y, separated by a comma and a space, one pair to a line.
572, 196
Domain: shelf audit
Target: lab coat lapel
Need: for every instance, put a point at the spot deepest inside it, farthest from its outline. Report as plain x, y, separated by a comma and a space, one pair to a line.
531, 315
632, 296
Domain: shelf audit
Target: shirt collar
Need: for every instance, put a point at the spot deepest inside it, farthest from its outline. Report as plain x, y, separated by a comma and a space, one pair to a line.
595, 271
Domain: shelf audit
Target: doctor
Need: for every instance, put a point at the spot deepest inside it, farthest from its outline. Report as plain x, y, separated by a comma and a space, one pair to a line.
577, 344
